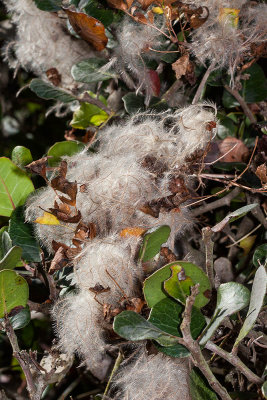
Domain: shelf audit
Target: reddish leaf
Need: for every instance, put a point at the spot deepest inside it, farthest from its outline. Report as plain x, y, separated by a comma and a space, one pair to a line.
145, 3
57, 245
139, 17
155, 81
119, 4
89, 28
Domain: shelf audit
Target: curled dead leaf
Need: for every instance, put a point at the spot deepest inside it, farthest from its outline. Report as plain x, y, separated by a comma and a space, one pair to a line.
53, 76
59, 261
38, 167
66, 187
261, 173
88, 28
180, 66
98, 289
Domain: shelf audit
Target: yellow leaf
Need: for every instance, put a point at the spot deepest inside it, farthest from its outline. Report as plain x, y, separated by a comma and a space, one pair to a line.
47, 219
157, 10
247, 243
230, 15
136, 231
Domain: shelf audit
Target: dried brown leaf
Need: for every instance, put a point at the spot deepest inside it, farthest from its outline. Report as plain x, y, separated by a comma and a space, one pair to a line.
88, 28
180, 66
38, 167
98, 289
53, 76
59, 261
261, 173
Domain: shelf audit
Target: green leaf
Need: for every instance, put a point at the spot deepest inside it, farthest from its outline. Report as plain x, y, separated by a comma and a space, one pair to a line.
184, 275
22, 235
21, 156
92, 9
133, 103
14, 291
228, 100
48, 5
88, 71
178, 285
15, 186
2, 249
215, 78
167, 316
154, 290
199, 389
231, 297
12, 258
6, 242
260, 255
226, 128
256, 301
132, 326
152, 241
233, 216
88, 115
254, 89
264, 390
49, 92
60, 149
21, 318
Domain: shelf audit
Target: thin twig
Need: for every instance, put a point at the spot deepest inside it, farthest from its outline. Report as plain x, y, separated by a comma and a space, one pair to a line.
203, 82
114, 370
194, 348
224, 201
207, 239
235, 361
242, 102
70, 388
244, 237
18, 355
88, 99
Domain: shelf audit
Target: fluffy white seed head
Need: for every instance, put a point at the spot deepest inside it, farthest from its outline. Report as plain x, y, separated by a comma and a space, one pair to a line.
109, 262
224, 42
170, 137
42, 42
135, 41
152, 377
79, 326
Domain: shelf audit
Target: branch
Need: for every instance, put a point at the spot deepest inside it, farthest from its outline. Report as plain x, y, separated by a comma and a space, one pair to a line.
88, 99
224, 201
235, 361
242, 102
207, 239
20, 356
193, 346
203, 82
